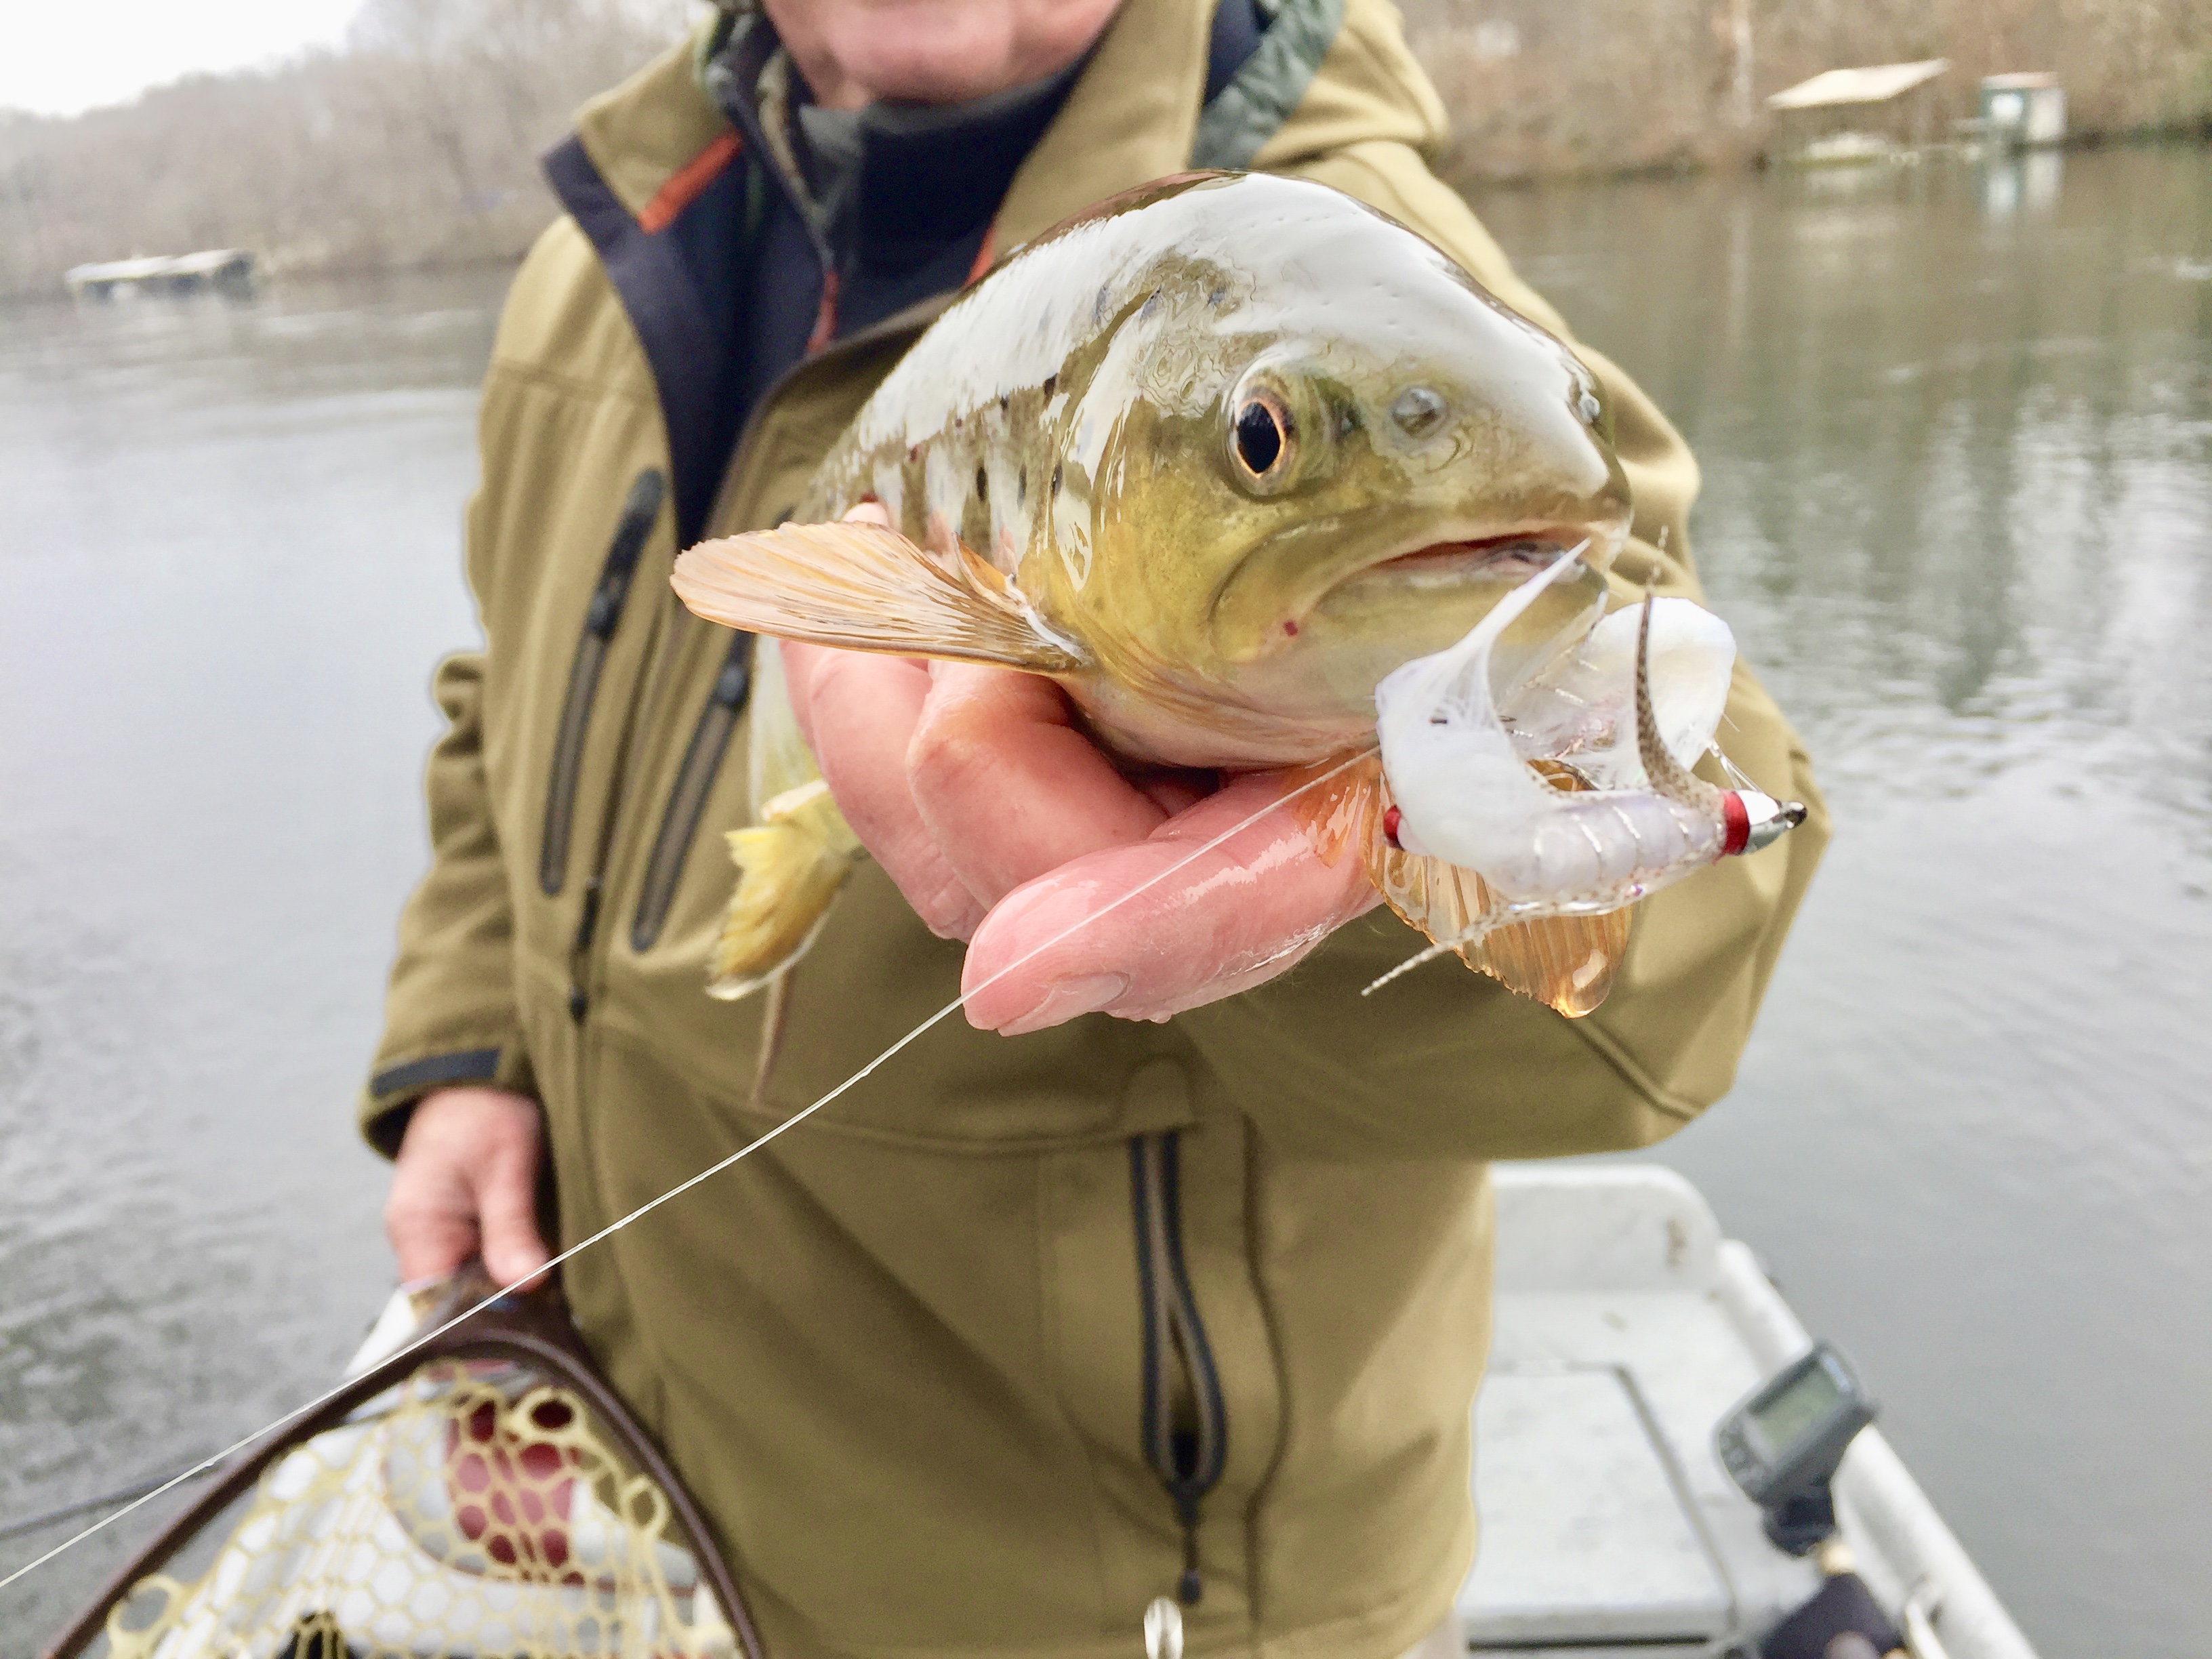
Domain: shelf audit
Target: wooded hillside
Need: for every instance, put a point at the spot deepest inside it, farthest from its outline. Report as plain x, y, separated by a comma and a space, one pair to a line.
1537, 88
418, 142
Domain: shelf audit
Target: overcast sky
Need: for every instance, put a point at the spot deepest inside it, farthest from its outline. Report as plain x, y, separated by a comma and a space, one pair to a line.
58, 57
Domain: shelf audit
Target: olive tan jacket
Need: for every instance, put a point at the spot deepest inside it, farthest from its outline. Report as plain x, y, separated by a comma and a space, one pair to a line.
986, 1355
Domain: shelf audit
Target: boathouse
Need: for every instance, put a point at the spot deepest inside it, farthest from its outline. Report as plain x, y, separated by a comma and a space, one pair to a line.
1864, 114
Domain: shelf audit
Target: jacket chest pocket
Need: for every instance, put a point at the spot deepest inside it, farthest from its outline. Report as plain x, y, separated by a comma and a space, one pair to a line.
601, 617
876, 976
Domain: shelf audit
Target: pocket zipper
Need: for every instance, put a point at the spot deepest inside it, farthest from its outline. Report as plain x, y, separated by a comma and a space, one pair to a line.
600, 618
695, 781
1186, 1426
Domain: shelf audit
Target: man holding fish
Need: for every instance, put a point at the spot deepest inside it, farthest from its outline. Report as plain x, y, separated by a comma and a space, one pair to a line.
1166, 1276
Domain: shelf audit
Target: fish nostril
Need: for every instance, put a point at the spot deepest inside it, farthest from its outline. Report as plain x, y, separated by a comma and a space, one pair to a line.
1418, 411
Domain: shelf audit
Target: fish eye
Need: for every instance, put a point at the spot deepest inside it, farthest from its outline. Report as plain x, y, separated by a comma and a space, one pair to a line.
1262, 439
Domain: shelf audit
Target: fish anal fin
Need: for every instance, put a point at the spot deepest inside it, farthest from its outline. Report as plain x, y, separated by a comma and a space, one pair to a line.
866, 587
1568, 962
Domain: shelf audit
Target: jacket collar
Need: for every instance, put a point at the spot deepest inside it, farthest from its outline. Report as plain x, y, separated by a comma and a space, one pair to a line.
1132, 115
1129, 120
1327, 73
640, 136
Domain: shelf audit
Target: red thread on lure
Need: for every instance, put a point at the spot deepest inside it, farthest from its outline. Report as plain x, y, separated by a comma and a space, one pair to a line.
1736, 820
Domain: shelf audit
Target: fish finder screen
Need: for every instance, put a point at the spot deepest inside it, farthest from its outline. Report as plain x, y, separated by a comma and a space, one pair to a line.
1785, 1420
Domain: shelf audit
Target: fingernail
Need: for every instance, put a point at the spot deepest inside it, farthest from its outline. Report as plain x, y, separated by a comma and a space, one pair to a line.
1061, 1002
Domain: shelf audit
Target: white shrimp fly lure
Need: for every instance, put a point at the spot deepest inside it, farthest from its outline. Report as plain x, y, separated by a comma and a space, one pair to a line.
1464, 793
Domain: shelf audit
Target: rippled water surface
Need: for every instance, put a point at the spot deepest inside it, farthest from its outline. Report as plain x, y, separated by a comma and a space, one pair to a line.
1956, 426
1957, 432
229, 551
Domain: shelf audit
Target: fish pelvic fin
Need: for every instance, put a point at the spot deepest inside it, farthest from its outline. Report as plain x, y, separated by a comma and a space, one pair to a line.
790, 866
866, 587
1566, 962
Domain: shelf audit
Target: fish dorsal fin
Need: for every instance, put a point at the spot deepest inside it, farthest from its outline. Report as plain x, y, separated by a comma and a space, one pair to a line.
1566, 961
866, 587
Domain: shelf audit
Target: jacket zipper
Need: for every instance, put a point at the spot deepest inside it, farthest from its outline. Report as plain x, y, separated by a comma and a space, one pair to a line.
601, 617
1185, 1425
651, 677
695, 781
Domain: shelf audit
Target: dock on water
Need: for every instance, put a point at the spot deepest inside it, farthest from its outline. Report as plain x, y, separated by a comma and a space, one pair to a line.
220, 270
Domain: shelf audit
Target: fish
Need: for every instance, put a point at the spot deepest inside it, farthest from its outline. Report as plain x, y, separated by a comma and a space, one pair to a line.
1218, 457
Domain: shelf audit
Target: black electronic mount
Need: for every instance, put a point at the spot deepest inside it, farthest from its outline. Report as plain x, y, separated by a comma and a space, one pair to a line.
1784, 1442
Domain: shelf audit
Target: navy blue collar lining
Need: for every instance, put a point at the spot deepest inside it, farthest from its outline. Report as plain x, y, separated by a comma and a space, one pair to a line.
687, 344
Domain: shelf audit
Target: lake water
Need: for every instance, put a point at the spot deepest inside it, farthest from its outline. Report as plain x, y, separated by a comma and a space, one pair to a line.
1957, 430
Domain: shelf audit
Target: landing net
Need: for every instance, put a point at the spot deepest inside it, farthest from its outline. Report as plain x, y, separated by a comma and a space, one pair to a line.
478, 1508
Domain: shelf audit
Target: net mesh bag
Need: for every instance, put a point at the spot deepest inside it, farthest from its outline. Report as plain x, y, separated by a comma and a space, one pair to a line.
477, 1508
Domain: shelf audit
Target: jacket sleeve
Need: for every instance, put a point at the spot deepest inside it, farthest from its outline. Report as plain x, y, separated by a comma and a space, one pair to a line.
450, 1011
1448, 1062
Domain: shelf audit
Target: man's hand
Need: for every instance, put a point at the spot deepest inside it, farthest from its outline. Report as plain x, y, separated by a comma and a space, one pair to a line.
1004, 825
465, 1183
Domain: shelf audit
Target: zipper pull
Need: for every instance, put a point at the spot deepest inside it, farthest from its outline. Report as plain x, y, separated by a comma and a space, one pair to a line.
1190, 1587
580, 1000
1163, 1629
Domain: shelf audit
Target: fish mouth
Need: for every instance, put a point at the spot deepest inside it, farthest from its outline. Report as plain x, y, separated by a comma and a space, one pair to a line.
1359, 598
1520, 552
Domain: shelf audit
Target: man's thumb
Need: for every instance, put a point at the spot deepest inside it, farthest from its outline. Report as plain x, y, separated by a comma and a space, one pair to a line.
507, 1213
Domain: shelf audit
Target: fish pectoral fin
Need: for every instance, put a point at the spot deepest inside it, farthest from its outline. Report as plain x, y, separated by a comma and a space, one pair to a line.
789, 869
866, 587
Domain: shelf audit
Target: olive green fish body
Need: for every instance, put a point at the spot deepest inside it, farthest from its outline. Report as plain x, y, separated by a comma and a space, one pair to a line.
1216, 457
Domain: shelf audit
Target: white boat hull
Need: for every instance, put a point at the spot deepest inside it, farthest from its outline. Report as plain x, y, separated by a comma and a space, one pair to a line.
1627, 1328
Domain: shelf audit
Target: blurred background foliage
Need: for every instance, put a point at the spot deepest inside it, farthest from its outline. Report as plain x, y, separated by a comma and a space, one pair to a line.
415, 143
1538, 90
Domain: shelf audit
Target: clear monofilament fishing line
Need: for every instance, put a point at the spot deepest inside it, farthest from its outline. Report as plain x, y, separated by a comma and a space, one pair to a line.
425, 1338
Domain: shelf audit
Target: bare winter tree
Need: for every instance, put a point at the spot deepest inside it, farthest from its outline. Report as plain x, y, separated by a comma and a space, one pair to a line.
416, 143
1535, 88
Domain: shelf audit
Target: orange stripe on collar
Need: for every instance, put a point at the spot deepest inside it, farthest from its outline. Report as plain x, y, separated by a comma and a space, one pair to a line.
825, 317
684, 186
983, 254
